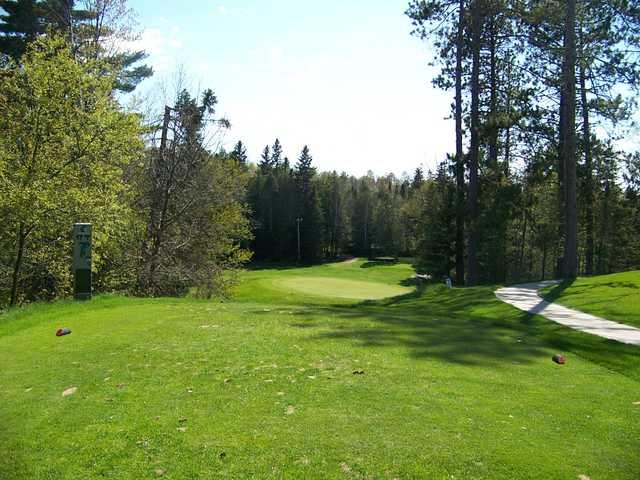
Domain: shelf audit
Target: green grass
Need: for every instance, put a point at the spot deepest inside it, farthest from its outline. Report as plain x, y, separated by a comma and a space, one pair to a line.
456, 385
614, 297
339, 288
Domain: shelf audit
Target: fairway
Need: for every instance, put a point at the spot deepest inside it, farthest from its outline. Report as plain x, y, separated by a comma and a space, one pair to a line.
282, 383
335, 287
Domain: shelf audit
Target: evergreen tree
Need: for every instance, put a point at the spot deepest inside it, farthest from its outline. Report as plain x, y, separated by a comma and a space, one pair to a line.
20, 24
308, 208
265, 160
91, 32
239, 153
418, 179
276, 154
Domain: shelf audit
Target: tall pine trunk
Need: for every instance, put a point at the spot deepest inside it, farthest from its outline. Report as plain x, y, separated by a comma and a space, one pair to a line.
459, 154
474, 150
493, 100
570, 260
588, 165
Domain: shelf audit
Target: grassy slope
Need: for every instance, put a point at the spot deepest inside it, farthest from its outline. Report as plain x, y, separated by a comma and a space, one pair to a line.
615, 297
456, 385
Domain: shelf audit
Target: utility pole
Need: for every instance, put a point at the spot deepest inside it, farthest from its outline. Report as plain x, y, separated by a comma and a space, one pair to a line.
298, 220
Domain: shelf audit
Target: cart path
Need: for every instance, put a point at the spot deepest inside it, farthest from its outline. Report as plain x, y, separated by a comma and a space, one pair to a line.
525, 297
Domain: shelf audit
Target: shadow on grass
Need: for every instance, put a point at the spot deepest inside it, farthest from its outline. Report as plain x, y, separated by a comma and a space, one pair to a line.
257, 266
462, 326
557, 291
385, 262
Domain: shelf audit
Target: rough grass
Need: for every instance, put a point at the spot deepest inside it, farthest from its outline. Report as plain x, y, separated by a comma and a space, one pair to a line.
454, 384
614, 297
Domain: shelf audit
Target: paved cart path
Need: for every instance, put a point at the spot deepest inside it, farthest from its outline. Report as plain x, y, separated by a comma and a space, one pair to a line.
525, 297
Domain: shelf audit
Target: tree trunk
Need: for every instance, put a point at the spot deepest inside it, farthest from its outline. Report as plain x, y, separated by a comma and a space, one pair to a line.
544, 259
459, 155
160, 185
474, 150
588, 164
522, 245
493, 102
17, 266
570, 263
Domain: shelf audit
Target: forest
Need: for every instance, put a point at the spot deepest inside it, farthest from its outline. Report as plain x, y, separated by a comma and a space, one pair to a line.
544, 181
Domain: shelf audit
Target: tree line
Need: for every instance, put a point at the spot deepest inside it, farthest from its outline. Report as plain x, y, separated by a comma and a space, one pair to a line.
331, 214
543, 90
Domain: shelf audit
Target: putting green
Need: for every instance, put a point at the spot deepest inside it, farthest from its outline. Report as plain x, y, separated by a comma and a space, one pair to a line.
339, 288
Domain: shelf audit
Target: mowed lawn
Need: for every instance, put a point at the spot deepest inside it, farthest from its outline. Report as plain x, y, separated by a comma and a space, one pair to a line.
283, 383
615, 297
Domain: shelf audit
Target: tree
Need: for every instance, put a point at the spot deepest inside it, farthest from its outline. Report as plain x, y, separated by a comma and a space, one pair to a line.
19, 26
418, 179
436, 234
265, 160
239, 154
95, 30
63, 146
308, 207
435, 19
193, 201
276, 154
568, 145
477, 22
460, 182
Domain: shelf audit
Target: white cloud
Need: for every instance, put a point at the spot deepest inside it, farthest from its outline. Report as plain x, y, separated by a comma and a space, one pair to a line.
162, 46
221, 9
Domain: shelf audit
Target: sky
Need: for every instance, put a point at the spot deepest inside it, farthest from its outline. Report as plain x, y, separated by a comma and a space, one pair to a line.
344, 77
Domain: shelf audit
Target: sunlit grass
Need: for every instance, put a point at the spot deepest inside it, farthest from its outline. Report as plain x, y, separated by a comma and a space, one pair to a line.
615, 297
279, 384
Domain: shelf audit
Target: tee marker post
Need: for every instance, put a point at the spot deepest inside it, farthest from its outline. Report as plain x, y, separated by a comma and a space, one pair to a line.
82, 261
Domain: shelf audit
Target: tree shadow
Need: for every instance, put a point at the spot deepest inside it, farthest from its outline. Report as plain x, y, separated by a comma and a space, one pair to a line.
264, 265
461, 326
557, 290
380, 262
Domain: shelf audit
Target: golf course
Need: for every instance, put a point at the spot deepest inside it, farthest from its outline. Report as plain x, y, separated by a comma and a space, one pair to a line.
303, 374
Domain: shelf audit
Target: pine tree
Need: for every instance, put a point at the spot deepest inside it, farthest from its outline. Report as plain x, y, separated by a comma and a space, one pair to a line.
20, 24
89, 31
239, 153
309, 209
568, 143
418, 179
265, 160
276, 154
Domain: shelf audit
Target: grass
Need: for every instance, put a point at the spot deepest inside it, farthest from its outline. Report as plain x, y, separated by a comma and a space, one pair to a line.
455, 384
614, 297
339, 288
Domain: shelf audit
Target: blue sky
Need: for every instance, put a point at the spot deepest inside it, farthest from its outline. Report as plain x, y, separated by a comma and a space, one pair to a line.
344, 77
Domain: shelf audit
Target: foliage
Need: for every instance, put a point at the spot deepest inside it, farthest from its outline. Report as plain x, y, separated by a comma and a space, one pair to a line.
193, 205
94, 29
64, 145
